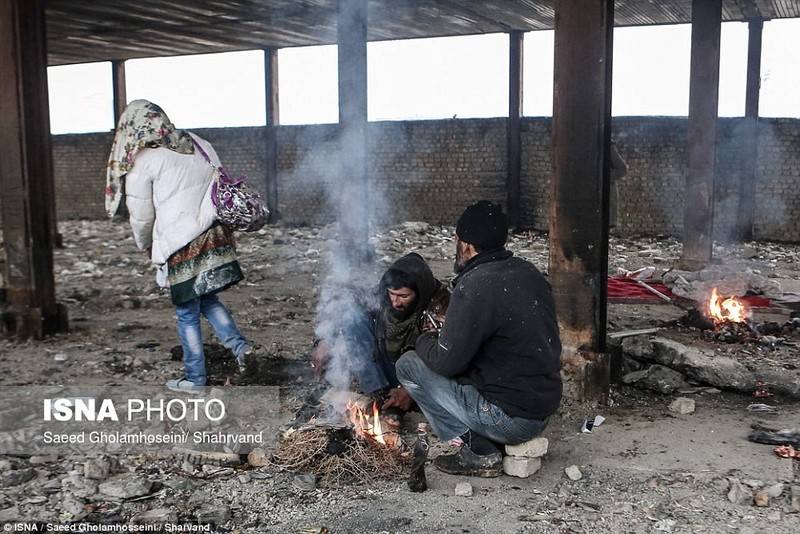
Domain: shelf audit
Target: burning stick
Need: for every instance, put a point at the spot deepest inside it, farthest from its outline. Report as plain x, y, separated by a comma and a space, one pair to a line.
370, 426
729, 310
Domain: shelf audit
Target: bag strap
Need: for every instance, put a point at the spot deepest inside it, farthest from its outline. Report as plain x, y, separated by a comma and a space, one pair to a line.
203, 152
223, 176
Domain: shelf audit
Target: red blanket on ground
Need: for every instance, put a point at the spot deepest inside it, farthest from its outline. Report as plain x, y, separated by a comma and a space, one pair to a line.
628, 290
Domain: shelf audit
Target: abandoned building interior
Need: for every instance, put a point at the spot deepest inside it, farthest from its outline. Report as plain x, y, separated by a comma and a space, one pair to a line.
703, 194
38, 34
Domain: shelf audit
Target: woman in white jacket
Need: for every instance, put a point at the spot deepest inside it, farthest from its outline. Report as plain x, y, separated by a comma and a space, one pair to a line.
166, 180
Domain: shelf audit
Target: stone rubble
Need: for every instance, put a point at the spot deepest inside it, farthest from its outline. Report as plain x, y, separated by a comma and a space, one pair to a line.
110, 291
682, 405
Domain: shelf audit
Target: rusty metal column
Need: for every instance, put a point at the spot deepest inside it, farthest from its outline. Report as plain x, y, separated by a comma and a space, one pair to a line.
271, 141
119, 89
578, 266
120, 92
747, 186
352, 200
26, 174
698, 217
513, 127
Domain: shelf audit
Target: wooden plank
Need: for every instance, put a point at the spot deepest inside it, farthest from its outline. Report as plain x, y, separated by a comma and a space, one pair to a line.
629, 333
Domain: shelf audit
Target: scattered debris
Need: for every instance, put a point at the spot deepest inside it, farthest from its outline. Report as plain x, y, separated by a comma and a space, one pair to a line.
122, 329
682, 405
771, 436
787, 451
589, 424
761, 408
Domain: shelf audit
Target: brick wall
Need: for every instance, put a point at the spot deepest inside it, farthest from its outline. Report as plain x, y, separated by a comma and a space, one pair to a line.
778, 185
429, 170
79, 164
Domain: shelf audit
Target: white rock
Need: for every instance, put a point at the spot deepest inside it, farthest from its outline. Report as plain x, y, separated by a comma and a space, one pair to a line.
739, 493
519, 466
535, 448
682, 405
463, 489
775, 490
573, 472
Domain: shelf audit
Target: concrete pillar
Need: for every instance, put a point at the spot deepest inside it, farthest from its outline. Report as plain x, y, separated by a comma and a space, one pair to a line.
352, 198
698, 219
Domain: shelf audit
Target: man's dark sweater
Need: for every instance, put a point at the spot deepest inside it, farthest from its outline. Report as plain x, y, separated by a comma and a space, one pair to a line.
501, 335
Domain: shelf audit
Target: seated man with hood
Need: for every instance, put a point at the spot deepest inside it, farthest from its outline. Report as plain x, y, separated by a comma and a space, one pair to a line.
407, 301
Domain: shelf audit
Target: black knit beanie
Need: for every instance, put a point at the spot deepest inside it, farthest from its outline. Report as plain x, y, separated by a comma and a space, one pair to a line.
483, 225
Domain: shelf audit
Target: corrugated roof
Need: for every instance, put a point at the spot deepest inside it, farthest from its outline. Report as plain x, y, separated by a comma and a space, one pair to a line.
82, 31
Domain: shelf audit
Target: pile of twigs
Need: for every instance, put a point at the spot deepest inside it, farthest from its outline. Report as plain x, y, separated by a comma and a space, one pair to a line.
336, 457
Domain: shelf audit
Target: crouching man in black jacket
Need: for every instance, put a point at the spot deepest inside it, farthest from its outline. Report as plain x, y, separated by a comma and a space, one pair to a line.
491, 376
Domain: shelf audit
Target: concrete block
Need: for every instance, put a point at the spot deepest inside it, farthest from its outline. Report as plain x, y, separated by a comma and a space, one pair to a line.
535, 448
518, 466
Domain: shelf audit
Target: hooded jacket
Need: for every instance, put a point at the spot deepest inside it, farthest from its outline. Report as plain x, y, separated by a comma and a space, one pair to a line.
403, 335
501, 336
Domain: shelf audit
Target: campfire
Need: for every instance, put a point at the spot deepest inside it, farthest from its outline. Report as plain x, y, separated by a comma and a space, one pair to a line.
730, 318
368, 425
729, 310
363, 448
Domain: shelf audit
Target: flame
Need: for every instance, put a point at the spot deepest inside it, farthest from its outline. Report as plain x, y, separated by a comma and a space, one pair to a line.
730, 310
364, 424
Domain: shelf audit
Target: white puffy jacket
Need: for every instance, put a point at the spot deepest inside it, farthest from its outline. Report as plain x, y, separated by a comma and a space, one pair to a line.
168, 196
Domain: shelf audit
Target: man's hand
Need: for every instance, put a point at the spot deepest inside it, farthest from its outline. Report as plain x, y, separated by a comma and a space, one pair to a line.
319, 359
400, 398
431, 322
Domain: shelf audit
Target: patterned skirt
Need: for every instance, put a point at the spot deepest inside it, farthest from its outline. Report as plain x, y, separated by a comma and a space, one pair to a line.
207, 264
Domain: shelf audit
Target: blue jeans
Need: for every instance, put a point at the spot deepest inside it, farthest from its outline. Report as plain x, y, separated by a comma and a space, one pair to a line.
348, 333
194, 358
375, 375
453, 408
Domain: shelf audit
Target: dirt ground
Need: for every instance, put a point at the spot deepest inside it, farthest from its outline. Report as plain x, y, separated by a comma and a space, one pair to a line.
645, 469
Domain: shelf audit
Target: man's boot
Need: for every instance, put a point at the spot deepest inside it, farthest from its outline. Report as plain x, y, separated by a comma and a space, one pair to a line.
467, 463
478, 457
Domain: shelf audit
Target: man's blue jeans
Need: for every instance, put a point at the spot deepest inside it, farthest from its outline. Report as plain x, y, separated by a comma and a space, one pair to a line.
194, 358
453, 408
351, 347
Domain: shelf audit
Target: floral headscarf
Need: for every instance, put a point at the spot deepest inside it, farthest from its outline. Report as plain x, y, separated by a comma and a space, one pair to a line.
142, 125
